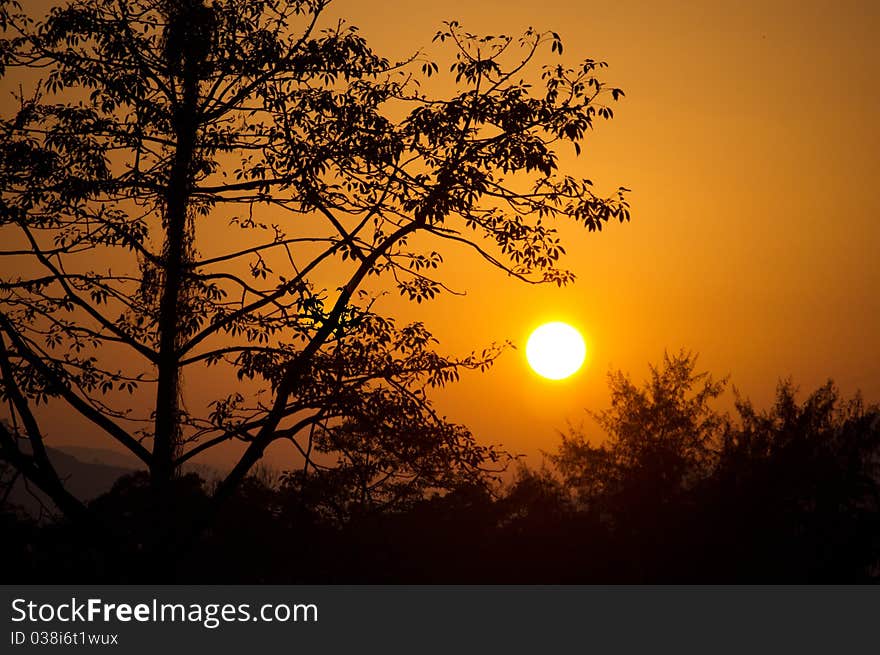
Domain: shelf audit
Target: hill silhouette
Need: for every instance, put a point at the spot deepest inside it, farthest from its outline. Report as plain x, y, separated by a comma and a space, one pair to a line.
89, 472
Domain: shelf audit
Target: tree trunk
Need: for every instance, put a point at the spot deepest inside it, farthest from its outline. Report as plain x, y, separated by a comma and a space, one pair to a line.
177, 253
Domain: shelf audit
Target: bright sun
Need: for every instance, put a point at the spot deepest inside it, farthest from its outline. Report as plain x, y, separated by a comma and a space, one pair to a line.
555, 350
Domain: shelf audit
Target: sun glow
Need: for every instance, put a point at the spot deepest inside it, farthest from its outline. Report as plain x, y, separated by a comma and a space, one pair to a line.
556, 350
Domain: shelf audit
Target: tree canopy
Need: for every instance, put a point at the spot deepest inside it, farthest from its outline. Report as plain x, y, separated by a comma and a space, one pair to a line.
233, 185
686, 491
679, 492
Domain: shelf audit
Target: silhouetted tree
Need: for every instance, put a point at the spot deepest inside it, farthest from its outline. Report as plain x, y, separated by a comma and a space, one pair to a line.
229, 186
660, 442
685, 493
662, 438
797, 490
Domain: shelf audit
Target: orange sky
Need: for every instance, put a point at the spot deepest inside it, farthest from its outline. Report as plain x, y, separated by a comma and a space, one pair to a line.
750, 139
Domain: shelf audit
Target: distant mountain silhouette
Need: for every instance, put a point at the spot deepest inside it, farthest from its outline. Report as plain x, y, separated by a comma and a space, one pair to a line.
88, 473
102, 456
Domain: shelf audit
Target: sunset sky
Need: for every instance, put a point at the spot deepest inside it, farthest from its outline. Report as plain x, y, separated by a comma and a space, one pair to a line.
750, 140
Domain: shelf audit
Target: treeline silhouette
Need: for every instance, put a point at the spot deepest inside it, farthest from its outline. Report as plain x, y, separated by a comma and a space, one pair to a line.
675, 492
